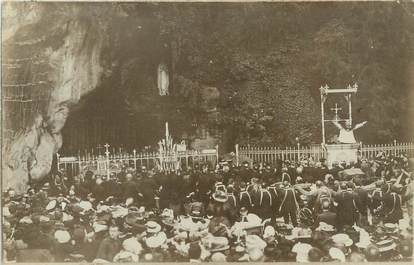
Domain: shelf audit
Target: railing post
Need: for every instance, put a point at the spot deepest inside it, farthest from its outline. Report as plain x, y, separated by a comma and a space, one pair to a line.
395, 147
217, 155
58, 161
237, 154
79, 163
298, 152
135, 158
107, 159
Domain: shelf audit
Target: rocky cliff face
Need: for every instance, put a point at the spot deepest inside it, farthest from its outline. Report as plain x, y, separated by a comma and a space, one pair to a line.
63, 44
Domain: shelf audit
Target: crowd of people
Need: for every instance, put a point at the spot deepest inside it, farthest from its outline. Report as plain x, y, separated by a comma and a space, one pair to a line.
291, 211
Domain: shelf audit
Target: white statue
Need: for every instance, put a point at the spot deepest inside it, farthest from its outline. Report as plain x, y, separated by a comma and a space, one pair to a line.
346, 134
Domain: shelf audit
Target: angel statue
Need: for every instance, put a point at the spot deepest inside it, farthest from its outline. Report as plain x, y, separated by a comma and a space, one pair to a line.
346, 134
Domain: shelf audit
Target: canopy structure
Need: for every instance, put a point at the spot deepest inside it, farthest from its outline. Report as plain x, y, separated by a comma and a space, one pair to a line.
325, 91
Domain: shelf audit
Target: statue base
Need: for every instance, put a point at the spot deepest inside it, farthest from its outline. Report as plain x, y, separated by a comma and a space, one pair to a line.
341, 153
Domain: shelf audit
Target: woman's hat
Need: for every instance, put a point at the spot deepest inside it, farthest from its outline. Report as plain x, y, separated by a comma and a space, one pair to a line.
218, 243
51, 205
99, 227
269, 231
254, 241
342, 239
386, 245
325, 227
337, 254
153, 227
26, 220
391, 228
156, 241
220, 196
62, 236
132, 245
302, 251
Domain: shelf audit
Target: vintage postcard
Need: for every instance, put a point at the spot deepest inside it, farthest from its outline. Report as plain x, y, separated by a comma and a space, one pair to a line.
207, 131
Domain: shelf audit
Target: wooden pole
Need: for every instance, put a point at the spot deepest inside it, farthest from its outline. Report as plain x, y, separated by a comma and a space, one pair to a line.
323, 116
350, 107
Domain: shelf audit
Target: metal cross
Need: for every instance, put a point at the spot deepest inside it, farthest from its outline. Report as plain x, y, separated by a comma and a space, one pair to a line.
336, 109
107, 148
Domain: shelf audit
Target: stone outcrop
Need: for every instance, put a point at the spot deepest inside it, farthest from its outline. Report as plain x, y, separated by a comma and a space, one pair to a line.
71, 47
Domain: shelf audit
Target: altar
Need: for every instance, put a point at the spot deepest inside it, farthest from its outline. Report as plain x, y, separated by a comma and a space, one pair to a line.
341, 153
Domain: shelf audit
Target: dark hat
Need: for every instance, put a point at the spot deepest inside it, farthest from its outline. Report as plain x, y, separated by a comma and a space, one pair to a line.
134, 218
406, 248
104, 217
315, 255
243, 210
372, 253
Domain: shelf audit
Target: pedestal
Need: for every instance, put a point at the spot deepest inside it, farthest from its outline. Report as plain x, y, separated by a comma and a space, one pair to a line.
341, 153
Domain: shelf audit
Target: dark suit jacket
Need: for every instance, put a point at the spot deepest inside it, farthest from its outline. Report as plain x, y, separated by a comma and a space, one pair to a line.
362, 200
326, 217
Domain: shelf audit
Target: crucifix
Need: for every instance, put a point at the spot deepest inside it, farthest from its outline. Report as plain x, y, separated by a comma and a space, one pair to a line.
336, 109
107, 149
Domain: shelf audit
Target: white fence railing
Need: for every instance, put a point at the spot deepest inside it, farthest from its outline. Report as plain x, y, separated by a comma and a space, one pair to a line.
273, 153
105, 164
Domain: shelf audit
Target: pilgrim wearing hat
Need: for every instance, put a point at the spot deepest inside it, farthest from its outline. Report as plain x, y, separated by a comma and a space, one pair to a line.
218, 206
135, 222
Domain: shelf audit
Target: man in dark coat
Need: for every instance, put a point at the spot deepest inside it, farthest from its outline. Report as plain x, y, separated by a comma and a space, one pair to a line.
347, 208
392, 206
148, 188
362, 202
375, 203
130, 188
110, 246
205, 182
289, 205
276, 200
326, 216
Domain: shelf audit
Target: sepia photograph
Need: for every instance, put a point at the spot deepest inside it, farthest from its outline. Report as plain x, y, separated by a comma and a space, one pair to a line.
207, 131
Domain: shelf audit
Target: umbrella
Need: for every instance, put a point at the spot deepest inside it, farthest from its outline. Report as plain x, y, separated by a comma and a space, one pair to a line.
349, 173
